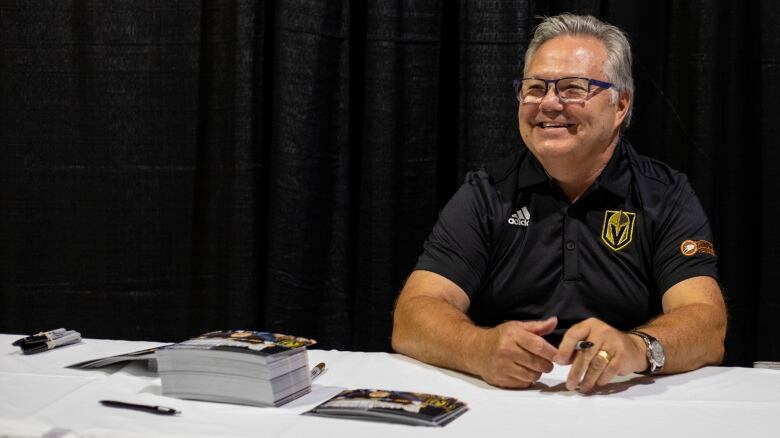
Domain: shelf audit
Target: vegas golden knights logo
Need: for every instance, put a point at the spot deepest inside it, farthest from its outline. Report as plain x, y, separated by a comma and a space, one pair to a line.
618, 229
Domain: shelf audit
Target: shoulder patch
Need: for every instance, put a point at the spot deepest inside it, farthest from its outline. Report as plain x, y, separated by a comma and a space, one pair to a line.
692, 247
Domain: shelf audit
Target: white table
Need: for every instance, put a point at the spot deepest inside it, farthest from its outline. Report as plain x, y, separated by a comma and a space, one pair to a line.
39, 396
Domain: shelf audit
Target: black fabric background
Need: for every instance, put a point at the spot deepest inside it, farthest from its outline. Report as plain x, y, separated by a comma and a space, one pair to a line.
173, 167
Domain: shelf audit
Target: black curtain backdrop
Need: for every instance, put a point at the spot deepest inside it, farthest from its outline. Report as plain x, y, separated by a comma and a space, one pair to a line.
173, 167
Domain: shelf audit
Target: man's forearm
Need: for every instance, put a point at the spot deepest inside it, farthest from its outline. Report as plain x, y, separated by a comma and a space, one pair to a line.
435, 332
692, 336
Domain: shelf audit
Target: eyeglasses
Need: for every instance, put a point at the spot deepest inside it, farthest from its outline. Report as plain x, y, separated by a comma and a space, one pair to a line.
568, 90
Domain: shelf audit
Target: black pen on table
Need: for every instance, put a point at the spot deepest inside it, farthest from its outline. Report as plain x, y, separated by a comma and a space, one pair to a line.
160, 410
317, 370
582, 345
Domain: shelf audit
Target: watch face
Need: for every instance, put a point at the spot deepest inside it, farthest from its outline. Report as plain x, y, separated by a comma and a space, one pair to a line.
657, 354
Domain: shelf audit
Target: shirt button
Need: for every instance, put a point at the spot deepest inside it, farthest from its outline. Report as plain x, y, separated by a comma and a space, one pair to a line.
570, 245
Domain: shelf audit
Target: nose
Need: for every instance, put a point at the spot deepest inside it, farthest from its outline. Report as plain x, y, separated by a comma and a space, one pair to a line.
550, 99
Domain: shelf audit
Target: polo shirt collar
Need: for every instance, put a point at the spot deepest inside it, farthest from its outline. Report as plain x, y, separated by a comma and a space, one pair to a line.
531, 172
615, 178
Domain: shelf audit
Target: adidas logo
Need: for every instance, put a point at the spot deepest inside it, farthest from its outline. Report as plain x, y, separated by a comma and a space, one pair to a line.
521, 218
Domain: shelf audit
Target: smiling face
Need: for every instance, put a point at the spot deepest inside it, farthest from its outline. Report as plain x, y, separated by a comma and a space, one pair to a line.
574, 132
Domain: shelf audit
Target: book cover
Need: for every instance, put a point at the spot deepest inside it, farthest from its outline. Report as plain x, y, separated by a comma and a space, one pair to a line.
246, 341
413, 408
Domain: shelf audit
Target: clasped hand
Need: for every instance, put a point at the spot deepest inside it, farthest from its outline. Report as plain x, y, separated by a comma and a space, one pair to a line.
518, 355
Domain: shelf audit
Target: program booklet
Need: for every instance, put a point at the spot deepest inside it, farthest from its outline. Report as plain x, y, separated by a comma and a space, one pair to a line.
237, 366
412, 408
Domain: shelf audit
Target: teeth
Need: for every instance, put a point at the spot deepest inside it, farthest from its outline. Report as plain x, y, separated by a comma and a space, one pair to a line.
554, 125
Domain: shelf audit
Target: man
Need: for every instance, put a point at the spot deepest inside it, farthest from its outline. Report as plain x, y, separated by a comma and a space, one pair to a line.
579, 238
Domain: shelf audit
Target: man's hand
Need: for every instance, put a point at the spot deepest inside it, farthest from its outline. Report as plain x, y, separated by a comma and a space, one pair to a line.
515, 355
625, 354
431, 325
691, 329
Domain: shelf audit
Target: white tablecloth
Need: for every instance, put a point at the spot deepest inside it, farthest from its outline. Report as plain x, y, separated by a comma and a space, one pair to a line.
38, 397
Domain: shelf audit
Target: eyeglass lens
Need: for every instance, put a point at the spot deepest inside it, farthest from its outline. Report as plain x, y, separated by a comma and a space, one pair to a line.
567, 89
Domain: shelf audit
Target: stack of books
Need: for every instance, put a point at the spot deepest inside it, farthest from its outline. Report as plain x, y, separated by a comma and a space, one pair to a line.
237, 366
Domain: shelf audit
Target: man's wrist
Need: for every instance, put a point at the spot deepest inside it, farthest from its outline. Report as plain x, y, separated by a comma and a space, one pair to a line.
472, 343
641, 347
656, 357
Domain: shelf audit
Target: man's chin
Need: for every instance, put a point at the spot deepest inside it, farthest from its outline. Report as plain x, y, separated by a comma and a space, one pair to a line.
553, 149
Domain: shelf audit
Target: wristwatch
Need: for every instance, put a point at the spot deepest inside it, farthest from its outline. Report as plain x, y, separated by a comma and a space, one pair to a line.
655, 352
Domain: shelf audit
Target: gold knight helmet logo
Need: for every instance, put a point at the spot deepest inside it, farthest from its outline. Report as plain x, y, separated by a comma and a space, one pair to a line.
618, 228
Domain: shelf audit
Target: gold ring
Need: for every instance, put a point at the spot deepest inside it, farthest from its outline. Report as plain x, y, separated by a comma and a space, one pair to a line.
604, 354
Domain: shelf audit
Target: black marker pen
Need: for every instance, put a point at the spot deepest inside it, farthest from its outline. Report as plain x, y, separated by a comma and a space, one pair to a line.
160, 410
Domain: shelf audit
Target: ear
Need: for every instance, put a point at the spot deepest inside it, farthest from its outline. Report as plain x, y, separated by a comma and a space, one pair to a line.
621, 108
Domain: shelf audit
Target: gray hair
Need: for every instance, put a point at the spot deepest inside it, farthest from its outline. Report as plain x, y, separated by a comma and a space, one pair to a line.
618, 66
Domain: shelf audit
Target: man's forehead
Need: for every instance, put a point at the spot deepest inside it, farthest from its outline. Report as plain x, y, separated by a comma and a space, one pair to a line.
570, 55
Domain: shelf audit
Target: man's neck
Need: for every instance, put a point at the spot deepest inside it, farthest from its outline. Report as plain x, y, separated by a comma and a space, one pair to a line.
574, 175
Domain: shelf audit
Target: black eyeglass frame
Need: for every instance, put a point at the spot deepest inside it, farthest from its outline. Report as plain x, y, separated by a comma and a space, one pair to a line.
518, 82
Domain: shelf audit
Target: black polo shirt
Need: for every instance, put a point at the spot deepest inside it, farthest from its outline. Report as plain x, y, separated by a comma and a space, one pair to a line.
515, 244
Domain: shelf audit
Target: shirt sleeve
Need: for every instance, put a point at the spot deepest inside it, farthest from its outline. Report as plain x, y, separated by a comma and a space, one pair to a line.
684, 247
458, 248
